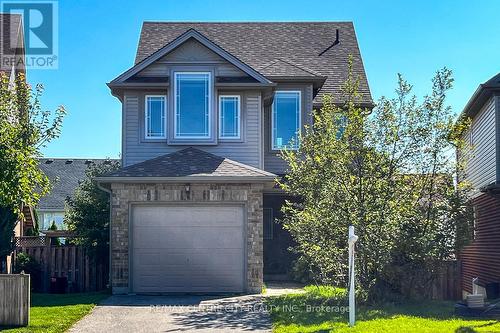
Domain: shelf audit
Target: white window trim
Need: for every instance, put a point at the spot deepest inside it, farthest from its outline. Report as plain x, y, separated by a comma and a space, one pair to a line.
221, 135
210, 111
164, 136
273, 147
42, 212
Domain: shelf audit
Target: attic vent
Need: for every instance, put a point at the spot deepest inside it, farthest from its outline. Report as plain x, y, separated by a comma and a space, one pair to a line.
49, 161
88, 162
337, 41
68, 162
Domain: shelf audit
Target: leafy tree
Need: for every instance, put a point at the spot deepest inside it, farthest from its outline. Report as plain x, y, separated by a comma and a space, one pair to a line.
387, 171
24, 129
88, 212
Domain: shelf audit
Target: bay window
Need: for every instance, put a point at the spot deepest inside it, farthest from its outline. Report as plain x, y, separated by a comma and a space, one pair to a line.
155, 117
192, 103
229, 117
286, 120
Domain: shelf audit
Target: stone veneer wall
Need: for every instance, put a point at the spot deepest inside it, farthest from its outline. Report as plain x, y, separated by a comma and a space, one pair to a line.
124, 194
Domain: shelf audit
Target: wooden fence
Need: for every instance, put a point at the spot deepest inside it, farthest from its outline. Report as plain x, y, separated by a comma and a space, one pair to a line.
447, 286
443, 284
14, 299
63, 261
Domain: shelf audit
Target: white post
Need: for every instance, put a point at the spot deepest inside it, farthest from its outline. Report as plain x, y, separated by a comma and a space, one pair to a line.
352, 302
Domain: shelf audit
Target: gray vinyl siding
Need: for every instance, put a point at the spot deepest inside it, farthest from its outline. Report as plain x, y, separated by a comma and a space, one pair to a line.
481, 152
137, 149
272, 161
192, 52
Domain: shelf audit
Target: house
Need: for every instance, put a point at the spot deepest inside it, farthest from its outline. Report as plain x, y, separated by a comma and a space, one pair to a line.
65, 175
206, 109
12, 50
482, 170
11, 63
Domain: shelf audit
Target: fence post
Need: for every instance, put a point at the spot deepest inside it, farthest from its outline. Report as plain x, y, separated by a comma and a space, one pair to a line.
46, 273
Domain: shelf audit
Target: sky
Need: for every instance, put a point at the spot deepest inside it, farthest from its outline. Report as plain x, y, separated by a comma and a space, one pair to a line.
98, 41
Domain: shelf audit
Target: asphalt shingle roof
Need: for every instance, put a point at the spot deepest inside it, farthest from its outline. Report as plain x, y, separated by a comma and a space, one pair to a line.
260, 43
280, 67
64, 175
189, 162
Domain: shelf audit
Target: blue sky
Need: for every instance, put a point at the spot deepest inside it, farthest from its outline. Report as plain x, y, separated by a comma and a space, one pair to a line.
98, 40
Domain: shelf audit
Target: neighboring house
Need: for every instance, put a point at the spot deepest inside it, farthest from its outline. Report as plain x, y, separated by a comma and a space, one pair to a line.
482, 257
12, 50
206, 109
64, 175
11, 63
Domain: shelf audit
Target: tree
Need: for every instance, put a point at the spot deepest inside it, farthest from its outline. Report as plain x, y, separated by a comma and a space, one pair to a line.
387, 171
88, 212
24, 129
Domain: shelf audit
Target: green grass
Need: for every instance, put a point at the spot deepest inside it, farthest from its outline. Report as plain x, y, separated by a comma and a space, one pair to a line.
53, 313
323, 309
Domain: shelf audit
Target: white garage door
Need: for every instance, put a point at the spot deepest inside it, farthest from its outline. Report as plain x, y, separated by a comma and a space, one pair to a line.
187, 249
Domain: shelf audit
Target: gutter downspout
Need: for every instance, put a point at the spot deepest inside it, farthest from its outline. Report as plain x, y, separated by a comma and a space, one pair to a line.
102, 188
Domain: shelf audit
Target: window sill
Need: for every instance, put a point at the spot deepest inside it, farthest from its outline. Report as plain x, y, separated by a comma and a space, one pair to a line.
192, 142
235, 140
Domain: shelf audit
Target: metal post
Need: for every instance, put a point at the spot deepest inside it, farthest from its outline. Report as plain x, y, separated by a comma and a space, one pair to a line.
352, 302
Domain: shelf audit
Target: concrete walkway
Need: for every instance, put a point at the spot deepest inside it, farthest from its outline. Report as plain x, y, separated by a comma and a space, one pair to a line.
177, 314
283, 288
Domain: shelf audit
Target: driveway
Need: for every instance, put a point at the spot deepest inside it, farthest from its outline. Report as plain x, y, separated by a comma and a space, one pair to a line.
133, 313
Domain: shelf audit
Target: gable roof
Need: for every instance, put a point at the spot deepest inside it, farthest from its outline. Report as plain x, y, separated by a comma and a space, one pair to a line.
258, 44
189, 164
483, 92
182, 38
64, 175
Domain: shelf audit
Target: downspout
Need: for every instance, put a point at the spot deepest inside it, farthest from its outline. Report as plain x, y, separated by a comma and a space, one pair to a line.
102, 188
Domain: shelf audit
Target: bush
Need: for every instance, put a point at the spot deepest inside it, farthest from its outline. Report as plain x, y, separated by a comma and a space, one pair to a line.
27, 264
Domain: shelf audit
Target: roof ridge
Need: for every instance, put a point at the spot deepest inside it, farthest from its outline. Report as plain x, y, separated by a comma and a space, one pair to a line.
246, 22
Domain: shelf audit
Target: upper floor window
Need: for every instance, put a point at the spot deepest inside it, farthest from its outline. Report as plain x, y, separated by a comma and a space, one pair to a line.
192, 105
47, 219
155, 117
229, 117
286, 120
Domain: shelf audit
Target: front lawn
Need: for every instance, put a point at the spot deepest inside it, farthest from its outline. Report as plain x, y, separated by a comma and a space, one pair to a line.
324, 310
53, 313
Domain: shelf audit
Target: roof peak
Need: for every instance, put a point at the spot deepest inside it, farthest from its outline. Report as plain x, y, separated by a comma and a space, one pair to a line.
189, 162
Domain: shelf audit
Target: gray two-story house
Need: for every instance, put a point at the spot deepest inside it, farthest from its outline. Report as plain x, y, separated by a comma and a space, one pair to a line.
206, 110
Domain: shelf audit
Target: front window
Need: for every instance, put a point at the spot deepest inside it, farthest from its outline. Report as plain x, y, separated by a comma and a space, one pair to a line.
48, 219
229, 117
155, 117
286, 120
192, 105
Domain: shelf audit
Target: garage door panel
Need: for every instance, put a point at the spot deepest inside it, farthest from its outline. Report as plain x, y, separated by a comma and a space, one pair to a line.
188, 238
188, 249
222, 259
